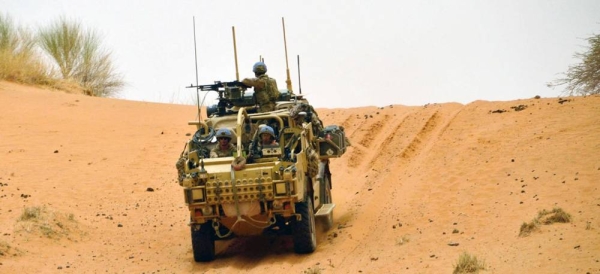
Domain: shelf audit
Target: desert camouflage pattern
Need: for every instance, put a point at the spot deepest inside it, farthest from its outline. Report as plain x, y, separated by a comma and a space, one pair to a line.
313, 117
217, 152
265, 91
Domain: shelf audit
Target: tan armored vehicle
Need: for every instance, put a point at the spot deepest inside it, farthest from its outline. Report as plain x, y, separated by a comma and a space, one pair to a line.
280, 189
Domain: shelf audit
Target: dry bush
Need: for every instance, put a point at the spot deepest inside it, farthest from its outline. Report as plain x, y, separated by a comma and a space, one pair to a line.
528, 228
40, 219
583, 78
313, 270
557, 215
468, 264
4, 248
20, 62
78, 55
403, 240
75, 52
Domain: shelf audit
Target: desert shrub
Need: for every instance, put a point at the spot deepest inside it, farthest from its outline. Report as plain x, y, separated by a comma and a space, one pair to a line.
557, 215
4, 248
31, 213
468, 264
313, 270
583, 78
79, 56
20, 61
39, 219
403, 240
528, 228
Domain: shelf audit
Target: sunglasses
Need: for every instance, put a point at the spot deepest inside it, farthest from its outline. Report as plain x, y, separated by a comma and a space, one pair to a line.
223, 138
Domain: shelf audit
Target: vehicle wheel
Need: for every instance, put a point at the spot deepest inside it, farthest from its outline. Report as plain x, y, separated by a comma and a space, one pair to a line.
304, 234
203, 242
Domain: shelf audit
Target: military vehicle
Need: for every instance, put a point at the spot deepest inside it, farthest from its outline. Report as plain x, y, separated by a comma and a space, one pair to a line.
274, 189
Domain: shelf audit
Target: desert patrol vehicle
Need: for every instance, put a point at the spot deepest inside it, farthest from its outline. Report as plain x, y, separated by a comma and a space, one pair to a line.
273, 189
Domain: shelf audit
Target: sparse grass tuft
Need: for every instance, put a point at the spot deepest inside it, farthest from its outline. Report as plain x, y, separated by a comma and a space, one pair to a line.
31, 213
405, 239
313, 270
468, 264
4, 248
39, 219
528, 228
557, 215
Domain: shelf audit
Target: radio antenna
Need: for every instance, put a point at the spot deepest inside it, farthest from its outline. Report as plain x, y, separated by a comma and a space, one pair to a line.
299, 83
237, 74
287, 68
196, 62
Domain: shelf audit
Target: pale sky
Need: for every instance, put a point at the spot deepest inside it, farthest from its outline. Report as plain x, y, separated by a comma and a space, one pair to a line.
352, 53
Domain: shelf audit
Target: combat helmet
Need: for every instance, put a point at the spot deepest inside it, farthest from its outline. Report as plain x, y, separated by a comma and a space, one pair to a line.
224, 132
266, 129
259, 68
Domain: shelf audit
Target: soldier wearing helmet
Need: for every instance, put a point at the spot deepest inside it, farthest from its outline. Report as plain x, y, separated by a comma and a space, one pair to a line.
224, 147
265, 88
267, 136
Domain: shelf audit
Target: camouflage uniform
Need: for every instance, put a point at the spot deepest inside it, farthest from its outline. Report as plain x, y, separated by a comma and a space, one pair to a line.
217, 152
265, 91
313, 119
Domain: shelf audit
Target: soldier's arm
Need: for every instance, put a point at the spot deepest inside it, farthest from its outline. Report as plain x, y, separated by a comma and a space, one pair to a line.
213, 154
253, 82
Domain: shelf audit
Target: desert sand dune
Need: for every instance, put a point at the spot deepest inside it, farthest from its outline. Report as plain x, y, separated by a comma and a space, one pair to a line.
88, 185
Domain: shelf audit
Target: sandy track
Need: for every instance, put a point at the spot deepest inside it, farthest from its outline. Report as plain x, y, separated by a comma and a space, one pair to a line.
415, 180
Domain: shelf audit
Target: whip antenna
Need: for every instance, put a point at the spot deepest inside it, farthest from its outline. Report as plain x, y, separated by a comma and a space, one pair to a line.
299, 83
196, 62
237, 74
287, 69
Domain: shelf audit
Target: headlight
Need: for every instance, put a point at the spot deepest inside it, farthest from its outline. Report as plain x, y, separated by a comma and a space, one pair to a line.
282, 188
195, 195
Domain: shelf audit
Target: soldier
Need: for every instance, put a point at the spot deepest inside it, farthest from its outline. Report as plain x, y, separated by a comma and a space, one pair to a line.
267, 136
305, 113
224, 147
265, 88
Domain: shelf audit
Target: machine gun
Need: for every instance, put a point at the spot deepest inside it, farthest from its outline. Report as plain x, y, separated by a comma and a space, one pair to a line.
231, 94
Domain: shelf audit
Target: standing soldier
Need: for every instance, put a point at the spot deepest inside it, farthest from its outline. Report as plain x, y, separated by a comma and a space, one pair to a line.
265, 88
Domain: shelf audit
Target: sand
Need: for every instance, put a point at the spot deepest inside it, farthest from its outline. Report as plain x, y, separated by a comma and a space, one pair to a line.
88, 185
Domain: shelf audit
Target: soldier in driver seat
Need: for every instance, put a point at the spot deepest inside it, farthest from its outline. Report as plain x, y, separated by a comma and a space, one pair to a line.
224, 146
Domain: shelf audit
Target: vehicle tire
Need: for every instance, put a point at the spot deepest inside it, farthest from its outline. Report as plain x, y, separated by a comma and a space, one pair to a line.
303, 231
203, 242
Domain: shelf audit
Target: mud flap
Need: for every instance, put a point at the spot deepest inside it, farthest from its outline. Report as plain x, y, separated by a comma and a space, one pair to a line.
325, 210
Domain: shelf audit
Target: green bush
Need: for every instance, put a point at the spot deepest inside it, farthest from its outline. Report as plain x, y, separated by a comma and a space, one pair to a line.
20, 62
77, 61
78, 55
